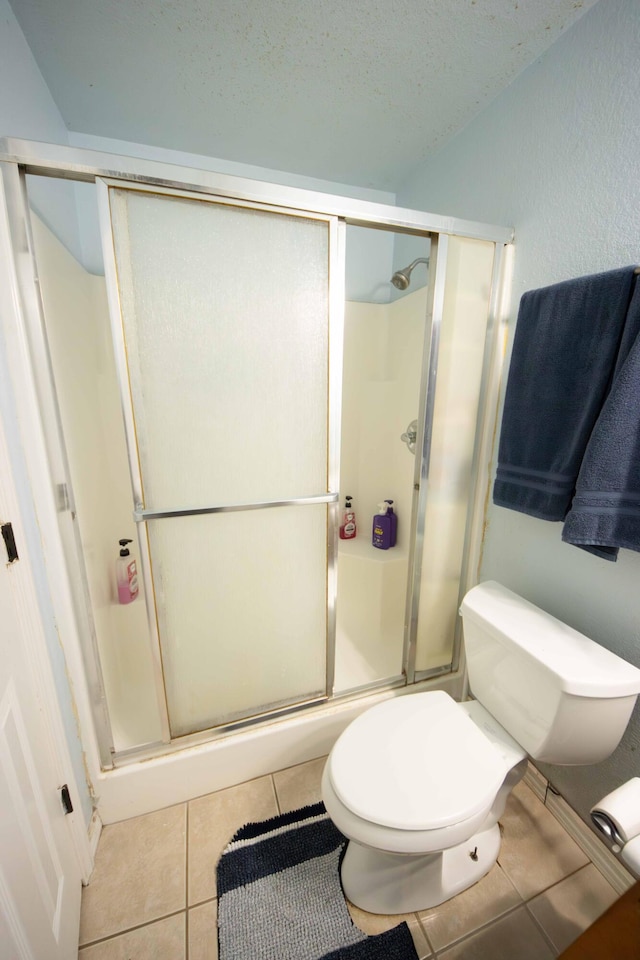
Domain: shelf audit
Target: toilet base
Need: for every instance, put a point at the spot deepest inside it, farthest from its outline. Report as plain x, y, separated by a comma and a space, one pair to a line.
381, 882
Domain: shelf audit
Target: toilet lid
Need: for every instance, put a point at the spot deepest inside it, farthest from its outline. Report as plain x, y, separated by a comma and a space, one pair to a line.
417, 762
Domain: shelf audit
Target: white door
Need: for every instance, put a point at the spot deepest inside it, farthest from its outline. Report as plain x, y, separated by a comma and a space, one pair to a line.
40, 885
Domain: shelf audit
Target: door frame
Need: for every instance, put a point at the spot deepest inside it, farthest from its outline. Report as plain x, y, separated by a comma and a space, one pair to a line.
19, 158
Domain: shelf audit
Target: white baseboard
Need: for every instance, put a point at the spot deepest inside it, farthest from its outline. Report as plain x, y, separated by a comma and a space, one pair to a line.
601, 857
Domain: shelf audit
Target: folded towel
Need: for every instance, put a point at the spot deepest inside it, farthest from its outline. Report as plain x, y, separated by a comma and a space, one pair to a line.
605, 511
566, 346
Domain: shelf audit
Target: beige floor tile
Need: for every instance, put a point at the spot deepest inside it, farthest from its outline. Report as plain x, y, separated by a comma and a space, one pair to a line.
375, 923
536, 851
299, 786
139, 875
212, 822
567, 909
514, 937
203, 931
162, 940
473, 908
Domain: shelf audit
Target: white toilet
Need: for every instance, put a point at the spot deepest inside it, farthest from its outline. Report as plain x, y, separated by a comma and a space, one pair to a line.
417, 783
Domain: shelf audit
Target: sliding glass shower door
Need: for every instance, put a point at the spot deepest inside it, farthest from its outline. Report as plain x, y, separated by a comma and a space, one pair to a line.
221, 321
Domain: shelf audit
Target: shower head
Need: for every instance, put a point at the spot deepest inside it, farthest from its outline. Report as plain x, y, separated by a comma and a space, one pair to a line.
402, 278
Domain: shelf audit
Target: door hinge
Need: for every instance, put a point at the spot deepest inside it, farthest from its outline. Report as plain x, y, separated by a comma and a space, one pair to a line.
65, 796
9, 542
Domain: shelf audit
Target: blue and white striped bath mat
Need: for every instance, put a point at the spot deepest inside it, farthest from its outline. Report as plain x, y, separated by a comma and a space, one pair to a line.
279, 896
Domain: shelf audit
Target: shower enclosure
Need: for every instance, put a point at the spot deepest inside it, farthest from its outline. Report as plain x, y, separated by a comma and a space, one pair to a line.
214, 397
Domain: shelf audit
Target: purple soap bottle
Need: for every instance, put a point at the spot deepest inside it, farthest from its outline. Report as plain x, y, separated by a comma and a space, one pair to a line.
385, 527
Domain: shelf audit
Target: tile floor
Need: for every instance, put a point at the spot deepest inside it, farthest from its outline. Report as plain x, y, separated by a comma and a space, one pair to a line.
152, 895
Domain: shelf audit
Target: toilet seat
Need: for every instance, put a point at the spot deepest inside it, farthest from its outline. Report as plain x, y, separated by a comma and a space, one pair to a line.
416, 763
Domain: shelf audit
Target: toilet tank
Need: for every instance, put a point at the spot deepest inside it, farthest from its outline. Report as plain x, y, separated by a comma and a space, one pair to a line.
564, 698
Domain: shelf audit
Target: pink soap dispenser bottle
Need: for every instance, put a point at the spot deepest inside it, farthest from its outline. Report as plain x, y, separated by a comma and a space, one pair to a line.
126, 574
348, 526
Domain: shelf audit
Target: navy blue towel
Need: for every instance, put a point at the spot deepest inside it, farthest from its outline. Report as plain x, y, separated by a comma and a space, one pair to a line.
605, 511
567, 343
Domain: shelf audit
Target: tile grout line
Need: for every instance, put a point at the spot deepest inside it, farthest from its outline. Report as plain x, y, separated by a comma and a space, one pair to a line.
426, 935
556, 883
137, 926
544, 933
275, 793
508, 878
201, 903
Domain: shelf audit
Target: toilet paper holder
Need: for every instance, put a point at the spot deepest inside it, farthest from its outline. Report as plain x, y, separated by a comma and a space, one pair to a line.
606, 826
617, 816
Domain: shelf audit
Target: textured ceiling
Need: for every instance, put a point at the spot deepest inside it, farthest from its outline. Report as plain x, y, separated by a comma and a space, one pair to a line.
355, 91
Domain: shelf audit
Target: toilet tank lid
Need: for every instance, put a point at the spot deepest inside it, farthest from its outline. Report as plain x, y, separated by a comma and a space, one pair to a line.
581, 666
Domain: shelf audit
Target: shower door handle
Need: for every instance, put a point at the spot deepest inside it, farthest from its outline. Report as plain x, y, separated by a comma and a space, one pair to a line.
140, 515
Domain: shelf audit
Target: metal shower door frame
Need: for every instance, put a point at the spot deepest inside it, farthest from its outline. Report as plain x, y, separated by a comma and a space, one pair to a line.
433, 322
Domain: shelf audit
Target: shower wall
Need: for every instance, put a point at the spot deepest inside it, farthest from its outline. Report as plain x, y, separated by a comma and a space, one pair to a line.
382, 364
77, 324
383, 345
383, 359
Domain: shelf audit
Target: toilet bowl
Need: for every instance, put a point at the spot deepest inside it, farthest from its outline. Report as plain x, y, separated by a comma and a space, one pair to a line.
417, 783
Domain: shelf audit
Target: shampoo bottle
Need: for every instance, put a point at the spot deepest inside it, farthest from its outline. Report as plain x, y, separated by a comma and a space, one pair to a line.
348, 525
126, 574
385, 526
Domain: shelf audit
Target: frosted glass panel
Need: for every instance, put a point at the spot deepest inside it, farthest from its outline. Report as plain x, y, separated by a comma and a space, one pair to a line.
225, 315
225, 318
462, 340
241, 601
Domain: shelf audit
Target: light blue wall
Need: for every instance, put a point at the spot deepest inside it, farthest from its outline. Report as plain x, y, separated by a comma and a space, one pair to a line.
27, 110
556, 155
